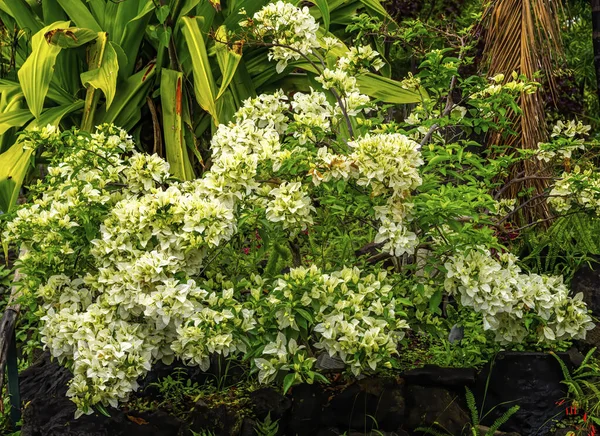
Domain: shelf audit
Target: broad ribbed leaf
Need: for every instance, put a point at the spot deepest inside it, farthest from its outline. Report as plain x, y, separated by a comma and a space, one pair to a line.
16, 118
79, 13
126, 106
388, 90
22, 13
37, 71
324, 9
171, 98
204, 83
228, 59
14, 164
54, 115
71, 37
104, 77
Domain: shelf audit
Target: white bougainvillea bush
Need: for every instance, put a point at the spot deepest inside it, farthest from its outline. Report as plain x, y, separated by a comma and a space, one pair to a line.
263, 257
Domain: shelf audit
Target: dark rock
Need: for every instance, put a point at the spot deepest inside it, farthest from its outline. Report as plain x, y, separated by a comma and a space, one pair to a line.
483, 431
431, 375
456, 333
307, 405
50, 413
267, 400
530, 380
428, 405
221, 420
248, 426
587, 281
373, 402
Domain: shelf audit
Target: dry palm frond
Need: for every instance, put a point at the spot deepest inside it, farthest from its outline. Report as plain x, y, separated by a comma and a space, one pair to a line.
524, 36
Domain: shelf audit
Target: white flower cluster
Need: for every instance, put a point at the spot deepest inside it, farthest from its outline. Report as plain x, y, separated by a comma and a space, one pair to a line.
290, 205
291, 30
356, 317
505, 297
579, 188
567, 138
359, 59
515, 86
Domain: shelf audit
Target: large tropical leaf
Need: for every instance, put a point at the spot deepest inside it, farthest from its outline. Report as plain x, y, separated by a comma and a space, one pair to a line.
228, 59
105, 76
204, 83
37, 71
79, 13
129, 98
171, 97
14, 164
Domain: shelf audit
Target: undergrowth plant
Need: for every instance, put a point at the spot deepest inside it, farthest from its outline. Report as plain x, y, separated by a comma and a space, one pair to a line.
474, 428
583, 390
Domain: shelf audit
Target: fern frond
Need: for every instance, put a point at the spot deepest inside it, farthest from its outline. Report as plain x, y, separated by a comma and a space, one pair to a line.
472, 407
502, 420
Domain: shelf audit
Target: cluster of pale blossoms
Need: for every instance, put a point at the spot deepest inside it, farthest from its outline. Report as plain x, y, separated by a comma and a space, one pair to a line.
292, 31
578, 188
505, 296
514, 86
356, 317
567, 138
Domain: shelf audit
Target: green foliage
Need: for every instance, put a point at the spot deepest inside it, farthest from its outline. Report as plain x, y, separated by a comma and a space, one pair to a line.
473, 428
267, 427
583, 386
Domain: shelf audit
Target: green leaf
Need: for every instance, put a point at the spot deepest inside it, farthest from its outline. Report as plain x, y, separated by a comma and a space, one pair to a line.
288, 382
307, 316
204, 83
389, 90
227, 58
37, 71
324, 9
54, 115
71, 37
434, 301
171, 98
16, 118
126, 106
105, 77
80, 14
14, 164
22, 13
162, 13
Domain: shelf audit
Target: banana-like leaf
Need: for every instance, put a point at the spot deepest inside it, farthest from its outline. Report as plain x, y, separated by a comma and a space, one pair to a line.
9, 86
133, 31
324, 9
126, 106
54, 115
71, 37
37, 71
16, 118
104, 77
227, 58
204, 83
22, 13
389, 90
171, 98
14, 164
51, 11
79, 13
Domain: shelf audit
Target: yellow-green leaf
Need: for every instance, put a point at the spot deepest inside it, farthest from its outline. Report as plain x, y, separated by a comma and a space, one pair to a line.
388, 90
37, 71
14, 164
228, 58
171, 98
15, 118
104, 77
71, 37
204, 83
